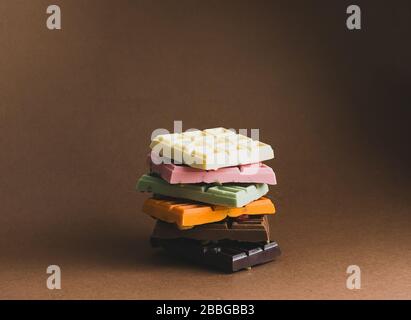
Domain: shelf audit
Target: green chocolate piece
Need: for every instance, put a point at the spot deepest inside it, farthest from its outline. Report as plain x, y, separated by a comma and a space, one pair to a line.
229, 195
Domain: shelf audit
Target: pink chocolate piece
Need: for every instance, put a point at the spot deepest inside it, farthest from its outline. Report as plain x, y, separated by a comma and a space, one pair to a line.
249, 173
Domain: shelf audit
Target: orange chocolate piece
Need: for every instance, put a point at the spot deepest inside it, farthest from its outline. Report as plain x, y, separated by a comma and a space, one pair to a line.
187, 214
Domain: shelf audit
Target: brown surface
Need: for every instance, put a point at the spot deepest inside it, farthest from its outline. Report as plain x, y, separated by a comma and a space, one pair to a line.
78, 107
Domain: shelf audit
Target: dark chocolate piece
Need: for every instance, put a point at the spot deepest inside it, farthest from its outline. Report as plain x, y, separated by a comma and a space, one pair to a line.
226, 255
249, 228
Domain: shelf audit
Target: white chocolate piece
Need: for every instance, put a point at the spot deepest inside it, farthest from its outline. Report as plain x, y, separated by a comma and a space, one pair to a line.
211, 149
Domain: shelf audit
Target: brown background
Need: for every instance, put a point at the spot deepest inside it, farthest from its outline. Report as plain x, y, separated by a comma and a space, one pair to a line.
77, 108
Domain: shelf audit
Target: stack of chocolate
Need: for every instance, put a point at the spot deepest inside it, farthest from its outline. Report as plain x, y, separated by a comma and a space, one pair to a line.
208, 198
